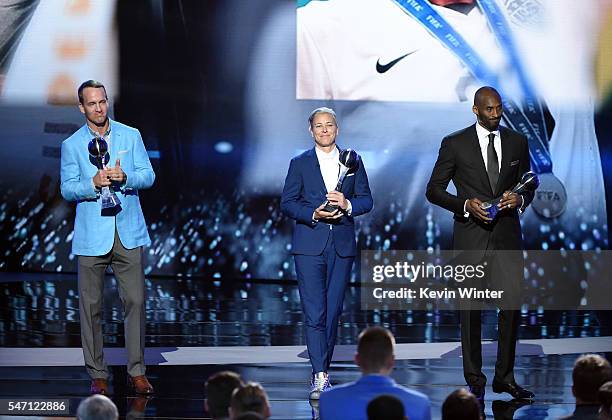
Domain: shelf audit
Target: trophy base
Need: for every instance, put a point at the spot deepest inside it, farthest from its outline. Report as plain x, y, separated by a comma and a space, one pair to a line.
491, 208
110, 201
329, 207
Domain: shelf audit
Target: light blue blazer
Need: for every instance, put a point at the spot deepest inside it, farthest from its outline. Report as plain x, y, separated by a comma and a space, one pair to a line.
93, 233
350, 401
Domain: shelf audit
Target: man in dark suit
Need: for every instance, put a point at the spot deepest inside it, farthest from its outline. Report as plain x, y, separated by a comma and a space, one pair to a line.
323, 244
485, 161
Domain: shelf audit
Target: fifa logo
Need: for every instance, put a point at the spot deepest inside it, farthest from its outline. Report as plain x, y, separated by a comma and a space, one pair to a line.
548, 196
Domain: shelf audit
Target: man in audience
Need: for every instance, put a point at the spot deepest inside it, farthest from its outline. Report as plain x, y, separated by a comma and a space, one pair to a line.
461, 405
605, 399
375, 359
219, 389
590, 372
249, 398
250, 415
386, 407
97, 407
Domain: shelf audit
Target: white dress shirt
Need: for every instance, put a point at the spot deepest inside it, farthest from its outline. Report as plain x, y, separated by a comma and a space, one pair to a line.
330, 167
483, 141
330, 170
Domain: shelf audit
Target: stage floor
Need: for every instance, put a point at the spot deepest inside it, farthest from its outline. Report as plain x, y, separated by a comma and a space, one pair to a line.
197, 327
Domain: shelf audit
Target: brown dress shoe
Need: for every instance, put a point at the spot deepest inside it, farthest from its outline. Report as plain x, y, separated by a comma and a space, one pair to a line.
137, 407
141, 385
99, 386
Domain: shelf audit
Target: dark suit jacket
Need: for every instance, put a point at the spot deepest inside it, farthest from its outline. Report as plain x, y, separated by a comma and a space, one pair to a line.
584, 412
460, 160
305, 190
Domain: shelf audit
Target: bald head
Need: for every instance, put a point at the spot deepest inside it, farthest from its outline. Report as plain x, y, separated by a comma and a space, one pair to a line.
488, 107
484, 94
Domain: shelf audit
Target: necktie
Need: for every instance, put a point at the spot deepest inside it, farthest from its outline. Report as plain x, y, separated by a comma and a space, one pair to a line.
492, 164
445, 3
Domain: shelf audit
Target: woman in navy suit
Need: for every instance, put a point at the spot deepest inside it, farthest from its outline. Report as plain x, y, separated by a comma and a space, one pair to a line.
323, 244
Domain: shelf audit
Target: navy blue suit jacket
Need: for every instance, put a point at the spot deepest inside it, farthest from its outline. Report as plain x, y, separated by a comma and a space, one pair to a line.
350, 401
305, 190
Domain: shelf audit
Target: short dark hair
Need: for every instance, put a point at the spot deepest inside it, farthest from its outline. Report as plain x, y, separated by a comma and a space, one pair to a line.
250, 415
374, 348
386, 407
90, 84
219, 389
461, 405
482, 91
605, 397
249, 397
590, 372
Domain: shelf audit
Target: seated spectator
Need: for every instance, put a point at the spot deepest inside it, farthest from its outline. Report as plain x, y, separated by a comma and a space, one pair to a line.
461, 405
590, 372
605, 399
97, 407
375, 359
386, 407
219, 389
249, 398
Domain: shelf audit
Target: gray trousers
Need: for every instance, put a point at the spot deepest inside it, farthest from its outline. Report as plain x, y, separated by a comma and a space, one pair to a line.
128, 270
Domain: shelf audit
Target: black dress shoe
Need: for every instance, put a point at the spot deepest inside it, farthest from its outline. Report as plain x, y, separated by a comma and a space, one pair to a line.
504, 410
479, 392
514, 390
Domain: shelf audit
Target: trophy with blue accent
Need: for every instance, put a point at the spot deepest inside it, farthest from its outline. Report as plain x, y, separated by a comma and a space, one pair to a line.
529, 182
99, 156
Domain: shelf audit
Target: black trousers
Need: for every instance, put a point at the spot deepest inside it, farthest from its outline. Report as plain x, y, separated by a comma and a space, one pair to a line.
507, 326
506, 274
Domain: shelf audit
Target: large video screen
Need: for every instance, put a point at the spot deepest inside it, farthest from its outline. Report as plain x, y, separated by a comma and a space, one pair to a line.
221, 92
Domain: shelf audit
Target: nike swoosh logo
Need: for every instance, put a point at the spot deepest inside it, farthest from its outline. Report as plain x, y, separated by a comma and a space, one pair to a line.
383, 68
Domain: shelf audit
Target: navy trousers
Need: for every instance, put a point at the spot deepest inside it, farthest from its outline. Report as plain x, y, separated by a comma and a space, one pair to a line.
322, 281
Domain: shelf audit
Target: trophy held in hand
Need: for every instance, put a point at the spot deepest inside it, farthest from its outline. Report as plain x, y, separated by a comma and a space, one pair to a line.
99, 156
348, 161
529, 182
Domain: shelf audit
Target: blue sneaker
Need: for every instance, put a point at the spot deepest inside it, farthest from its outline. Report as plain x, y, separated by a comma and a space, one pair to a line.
319, 383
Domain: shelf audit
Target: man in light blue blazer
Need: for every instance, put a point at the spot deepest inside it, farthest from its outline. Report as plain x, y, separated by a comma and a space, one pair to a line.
112, 237
375, 359
323, 244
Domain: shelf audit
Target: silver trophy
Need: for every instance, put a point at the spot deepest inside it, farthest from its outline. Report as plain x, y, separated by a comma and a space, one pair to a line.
98, 153
348, 160
529, 182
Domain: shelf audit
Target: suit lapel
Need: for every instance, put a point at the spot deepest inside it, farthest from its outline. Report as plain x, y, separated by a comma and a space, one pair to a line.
115, 137
477, 153
316, 170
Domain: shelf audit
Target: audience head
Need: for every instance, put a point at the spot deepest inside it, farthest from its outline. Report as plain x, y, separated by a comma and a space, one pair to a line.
375, 351
386, 407
605, 399
461, 405
250, 416
97, 407
590, 372
219, 389
249, 398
